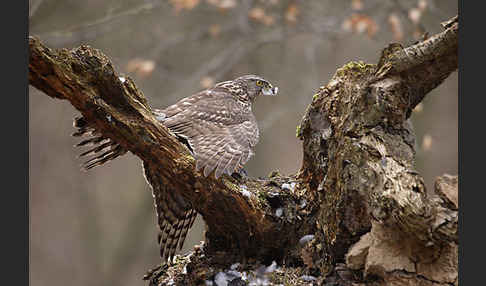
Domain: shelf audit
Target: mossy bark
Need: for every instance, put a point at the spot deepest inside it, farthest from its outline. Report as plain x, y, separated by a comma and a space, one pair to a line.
357, 191
239, 212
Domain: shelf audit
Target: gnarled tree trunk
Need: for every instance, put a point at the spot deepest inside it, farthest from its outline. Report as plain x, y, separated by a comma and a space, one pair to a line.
356, 212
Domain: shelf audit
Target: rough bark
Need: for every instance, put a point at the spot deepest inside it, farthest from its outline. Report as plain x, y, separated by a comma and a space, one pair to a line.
356, 212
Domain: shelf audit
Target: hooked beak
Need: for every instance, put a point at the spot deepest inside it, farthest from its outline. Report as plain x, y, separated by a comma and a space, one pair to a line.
270, 90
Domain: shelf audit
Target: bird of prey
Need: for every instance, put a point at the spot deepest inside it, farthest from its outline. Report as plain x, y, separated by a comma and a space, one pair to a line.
219, 128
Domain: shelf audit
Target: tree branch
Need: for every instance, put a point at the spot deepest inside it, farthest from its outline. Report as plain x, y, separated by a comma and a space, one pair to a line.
359, 151
356, 190
96, 27
423, 66
239, 212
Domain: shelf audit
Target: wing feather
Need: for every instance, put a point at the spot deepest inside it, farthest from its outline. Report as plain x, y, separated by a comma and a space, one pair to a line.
220, 129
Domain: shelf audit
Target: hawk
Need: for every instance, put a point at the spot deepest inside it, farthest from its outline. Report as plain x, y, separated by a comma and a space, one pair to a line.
218, 127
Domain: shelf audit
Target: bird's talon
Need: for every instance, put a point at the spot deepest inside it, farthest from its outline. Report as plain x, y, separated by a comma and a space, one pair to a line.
240, 174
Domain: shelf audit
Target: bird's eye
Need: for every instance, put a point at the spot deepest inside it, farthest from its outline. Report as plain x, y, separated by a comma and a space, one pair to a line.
259, 82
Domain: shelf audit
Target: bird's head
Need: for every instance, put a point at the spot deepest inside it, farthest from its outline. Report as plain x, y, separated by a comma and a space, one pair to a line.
256, 85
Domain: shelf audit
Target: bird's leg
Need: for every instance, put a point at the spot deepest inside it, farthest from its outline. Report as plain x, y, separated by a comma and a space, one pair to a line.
240, 173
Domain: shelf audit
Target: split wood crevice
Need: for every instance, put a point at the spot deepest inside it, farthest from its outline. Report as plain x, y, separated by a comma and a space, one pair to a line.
357, 191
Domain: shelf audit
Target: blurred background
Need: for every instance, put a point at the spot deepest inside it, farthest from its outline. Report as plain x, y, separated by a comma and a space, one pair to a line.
99, 227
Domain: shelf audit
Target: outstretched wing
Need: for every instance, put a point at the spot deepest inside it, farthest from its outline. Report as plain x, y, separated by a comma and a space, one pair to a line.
175, 215
102, 149
220, 129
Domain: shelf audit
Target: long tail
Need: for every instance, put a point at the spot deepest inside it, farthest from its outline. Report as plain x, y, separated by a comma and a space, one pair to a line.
102, 149
175, 215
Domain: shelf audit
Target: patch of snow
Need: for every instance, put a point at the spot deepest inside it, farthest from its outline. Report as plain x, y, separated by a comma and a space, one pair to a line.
221, 279
246, 193
259, 281
260, 271
234, 266
306, 238
233, 274
308, 278
290, 187
271, 268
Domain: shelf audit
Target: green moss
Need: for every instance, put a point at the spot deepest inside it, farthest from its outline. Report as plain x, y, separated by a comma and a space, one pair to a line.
297, 131
231, 186
262, 198
354, 69
388, 52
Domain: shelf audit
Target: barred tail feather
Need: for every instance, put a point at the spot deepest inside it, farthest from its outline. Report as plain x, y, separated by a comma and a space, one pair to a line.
175, 216
187, 226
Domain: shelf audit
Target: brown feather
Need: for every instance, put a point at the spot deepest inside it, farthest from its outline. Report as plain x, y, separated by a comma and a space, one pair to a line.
218, 127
